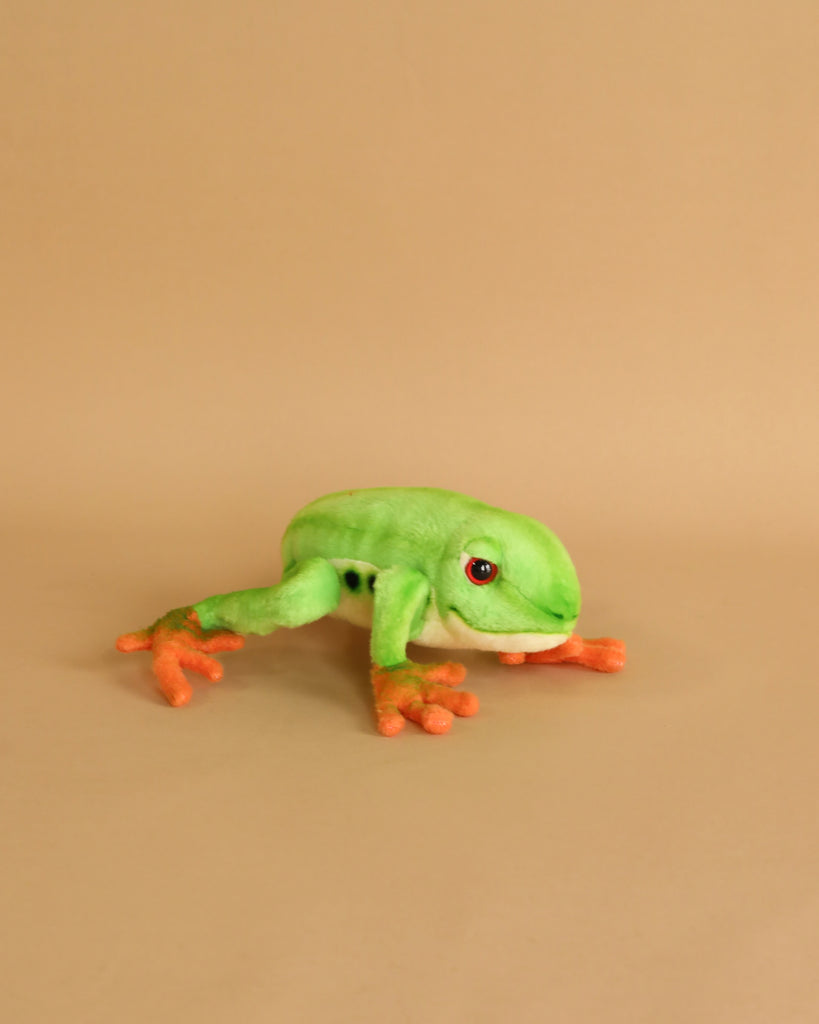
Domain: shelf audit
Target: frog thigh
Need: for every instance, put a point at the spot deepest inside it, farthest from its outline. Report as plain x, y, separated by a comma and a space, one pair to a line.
308, 591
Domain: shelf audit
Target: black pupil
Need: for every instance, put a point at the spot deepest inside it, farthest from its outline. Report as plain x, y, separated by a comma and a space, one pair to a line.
481, 569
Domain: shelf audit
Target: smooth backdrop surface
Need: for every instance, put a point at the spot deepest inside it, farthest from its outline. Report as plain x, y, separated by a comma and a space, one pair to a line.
560, 256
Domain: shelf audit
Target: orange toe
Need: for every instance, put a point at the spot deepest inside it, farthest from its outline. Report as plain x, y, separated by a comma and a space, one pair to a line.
390, 719
604, 654
390, 725
467, 705
220, 643
450, 673
210, 668
171, 678
129, 642
176, 694
461, 702
435, 719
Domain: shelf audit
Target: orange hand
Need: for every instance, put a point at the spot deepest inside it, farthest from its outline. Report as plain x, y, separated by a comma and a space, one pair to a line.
178, 641
604, 654
422, 694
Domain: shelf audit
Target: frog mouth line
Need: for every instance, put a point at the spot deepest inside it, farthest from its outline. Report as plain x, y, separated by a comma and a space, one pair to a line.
508, 632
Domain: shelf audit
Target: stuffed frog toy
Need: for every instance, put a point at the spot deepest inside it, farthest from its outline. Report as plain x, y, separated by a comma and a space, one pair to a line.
414, 565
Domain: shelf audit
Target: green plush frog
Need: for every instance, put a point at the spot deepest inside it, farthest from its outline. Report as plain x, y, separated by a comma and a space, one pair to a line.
413, 564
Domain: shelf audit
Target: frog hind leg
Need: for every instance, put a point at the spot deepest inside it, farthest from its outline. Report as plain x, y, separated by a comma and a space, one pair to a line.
309, 590
185, 637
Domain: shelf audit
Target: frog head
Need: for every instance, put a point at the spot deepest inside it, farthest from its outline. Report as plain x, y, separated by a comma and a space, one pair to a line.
506, 583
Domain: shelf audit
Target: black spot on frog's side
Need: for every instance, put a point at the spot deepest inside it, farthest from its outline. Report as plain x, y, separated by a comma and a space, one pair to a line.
371, 582
352, 579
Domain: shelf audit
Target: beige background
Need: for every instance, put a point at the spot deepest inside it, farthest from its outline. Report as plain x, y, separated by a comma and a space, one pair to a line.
560, 256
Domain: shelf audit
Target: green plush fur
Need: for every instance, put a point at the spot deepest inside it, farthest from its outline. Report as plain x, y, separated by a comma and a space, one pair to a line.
412, 564
413, 543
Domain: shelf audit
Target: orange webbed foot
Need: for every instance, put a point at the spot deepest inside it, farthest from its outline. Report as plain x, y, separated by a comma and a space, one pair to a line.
178, 642
604, 654
422, 694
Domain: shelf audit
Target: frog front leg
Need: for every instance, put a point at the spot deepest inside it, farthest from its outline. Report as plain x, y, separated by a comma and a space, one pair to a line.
185, 637
604, 654
405, 689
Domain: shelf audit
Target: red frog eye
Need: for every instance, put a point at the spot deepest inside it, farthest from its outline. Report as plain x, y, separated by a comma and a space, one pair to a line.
480, 571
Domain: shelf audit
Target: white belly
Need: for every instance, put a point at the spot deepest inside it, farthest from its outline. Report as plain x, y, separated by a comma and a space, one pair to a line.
453, 632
